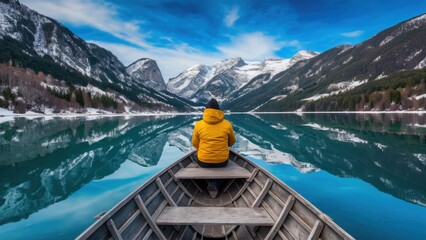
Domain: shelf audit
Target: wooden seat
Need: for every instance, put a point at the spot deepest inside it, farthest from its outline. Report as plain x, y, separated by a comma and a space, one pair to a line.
232, 170
214, 216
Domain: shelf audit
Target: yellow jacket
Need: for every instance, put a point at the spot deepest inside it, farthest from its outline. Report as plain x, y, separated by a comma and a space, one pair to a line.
212, 136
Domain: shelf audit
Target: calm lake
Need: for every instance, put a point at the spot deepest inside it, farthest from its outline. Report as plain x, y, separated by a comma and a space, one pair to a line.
366, 171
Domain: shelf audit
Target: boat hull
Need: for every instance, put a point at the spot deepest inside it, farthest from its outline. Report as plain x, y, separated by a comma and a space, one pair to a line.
175, 204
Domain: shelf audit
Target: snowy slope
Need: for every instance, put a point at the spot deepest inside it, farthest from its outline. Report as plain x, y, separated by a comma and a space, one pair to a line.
33, 35
146, 71
220, 80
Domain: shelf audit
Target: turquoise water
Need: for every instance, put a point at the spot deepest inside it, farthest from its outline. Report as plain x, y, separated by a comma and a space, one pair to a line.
367, 172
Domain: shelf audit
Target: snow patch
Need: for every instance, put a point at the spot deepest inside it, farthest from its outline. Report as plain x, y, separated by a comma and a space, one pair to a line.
387, 182
316, 97
279, 126
420, 96
421, 64
421, 157
409, 58
338, 87
386, 40
382, 75
380, 146
279, 97
377, 59
417, 125
348, 60
337, 134
271, 155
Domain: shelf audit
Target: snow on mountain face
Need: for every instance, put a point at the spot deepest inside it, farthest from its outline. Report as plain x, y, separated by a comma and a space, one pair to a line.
146, 71
200, 82
37, 35
48, 37
189, 80
198, 77
406, 27
302, 55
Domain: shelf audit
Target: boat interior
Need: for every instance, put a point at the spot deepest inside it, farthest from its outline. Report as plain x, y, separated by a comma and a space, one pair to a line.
251, 204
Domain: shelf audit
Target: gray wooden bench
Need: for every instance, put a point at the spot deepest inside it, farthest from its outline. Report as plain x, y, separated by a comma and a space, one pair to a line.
214, 216
232, 170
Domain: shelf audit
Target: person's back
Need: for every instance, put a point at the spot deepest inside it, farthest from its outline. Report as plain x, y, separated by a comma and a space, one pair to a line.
212, 138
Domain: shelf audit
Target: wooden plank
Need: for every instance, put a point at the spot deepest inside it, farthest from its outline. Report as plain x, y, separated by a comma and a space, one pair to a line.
288, 205
148, 234
165, 193
214, 216
179, 183
329, 225
234, 234
148, 218
243, 233
263, 193
246, 184
181, 233
253, 175
316, 230
298, 219
148, 201
136, 236
232, 170
129, 221
282, 236
113, 230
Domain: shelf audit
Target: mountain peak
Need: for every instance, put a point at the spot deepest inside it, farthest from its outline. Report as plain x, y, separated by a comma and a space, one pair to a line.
303, 55
146, 71
141, 63
418, 20
228, 63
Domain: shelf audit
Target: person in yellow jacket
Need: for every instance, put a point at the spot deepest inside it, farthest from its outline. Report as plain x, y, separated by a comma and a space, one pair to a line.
212, 137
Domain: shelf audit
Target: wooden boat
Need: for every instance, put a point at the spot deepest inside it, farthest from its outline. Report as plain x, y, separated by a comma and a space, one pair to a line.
252, 204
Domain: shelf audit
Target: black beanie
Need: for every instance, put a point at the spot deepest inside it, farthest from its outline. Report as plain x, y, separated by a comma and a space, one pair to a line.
213, 104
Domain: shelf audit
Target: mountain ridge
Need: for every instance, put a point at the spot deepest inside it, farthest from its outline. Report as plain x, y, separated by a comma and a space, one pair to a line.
381, 55
200, 82
31, 40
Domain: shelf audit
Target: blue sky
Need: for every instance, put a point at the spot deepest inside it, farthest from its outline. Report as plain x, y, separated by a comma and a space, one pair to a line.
180, 34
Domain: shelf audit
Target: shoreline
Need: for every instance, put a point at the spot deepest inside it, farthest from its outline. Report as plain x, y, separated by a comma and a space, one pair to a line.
33, 114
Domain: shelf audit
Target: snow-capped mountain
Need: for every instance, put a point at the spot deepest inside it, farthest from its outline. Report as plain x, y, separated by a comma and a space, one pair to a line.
146, 71
31, 40
201, 82
263, 72
340, 69
49, 38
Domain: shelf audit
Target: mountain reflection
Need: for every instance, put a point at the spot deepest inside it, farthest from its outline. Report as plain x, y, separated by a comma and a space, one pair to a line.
52, 158
384, 150
43, 161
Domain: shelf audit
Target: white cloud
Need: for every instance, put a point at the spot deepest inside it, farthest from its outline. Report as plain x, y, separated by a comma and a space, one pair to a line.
97, 14
254, 46
232, 16
105, 17
353, 34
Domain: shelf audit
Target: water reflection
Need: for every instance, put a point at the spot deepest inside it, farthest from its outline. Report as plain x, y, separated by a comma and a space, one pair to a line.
385, 150
43, 161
